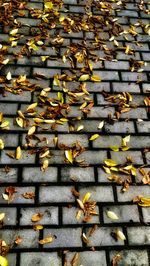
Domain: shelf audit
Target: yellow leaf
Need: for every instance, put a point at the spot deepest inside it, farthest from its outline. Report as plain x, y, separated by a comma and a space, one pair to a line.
38, 227
1, 144
45, 165
84, 77
79, 128
125, 140
36, 217
144, 202
5, 62
80, 204
19, 121
101, 124
86, 197
2, 216
107, 170
120, 235
110, 162
114, 148
68, 154
9, 76
95, 78
94, 137
3, 261
31, 106
13, 32
18, 153
126, 148
46, 240
44, 57
4, 124
31, 131
48, 5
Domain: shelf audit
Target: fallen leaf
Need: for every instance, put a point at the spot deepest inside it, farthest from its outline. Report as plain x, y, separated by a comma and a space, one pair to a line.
94, 137
8, 77
36, 217
110, 162
120, 235
46, 240
112, 215
1, 144
18, 153
29, 195
3, 261
69, 155
2, 216
84, 77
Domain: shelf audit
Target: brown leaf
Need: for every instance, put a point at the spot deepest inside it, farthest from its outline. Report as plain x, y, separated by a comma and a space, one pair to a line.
29, 195
36, 217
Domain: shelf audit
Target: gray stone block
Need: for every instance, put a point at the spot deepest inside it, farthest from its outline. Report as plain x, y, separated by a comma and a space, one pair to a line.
50, 215
139, 235
40, 259
56, 194
77, 173
100, 193
64, 238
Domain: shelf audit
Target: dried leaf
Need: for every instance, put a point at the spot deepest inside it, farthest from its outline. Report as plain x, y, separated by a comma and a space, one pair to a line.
79, 128
48, 5
112, 215
95, 78
114, 148
31, 130
19, 122
45, 165
31, 107
110, 162
75, 259
8, 77
120, 235
84, 77
69, 155
101, 124
80, 204
13, 32
38, 227
86, 197
94, 137
2, 216
29, 195
18, 153
46, 240
36, 217
1, 144
115, 260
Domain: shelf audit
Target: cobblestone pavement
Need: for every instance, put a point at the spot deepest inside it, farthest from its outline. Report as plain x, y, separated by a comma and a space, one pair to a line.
74, 125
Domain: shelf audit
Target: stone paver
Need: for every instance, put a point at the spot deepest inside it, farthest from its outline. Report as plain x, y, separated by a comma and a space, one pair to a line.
73, 85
